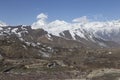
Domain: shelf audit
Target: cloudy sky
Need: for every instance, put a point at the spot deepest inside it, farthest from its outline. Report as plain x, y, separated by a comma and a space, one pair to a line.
15, 12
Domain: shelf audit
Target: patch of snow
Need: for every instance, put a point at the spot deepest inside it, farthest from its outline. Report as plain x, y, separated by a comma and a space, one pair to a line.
72, 34
19, 34
33, 44
24, 46
14, 30
23, 27
49, 37
21, 39
38, 43
49, 48
28, 43
78, 32
44, 54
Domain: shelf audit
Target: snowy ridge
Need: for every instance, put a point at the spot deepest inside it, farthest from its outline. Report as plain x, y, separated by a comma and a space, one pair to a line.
81, 27
2, 24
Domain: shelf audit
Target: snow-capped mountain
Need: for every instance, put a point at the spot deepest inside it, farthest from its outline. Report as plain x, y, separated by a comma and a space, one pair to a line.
68, 35
89, 31
2, 23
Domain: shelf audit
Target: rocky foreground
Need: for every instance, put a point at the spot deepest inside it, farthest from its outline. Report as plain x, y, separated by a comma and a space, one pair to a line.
74, 65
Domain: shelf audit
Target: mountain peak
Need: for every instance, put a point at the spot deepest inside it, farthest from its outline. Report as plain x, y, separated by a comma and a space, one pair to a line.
2, 24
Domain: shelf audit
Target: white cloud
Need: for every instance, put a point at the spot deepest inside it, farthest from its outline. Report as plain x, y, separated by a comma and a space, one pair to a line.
42, 16
41, 22
81, 20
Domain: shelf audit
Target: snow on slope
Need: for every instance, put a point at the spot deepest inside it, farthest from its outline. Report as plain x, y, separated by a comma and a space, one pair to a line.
2, 24
79, 26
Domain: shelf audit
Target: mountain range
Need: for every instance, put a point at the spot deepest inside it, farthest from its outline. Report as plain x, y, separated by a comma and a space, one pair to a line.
46, 40
92, 34
65, 50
